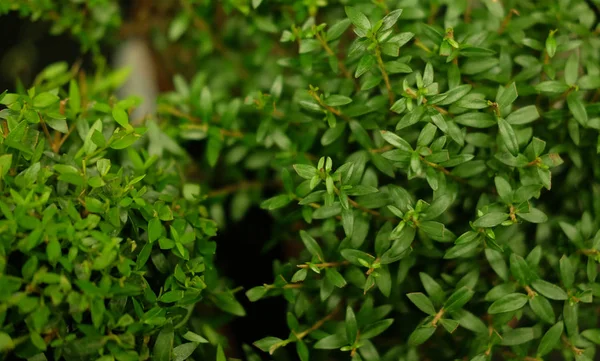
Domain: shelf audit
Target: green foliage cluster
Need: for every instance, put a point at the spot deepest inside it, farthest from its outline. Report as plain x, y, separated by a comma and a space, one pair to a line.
103, 242
437, 160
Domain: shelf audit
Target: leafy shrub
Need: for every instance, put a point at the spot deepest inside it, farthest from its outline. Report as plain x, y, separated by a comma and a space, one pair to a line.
436, 159
103, 241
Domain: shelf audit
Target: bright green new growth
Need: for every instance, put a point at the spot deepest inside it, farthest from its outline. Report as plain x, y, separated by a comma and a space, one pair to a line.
437, 161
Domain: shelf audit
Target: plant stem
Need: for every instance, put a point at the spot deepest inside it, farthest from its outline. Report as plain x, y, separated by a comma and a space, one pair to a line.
46, 132
340, 63
317, 324
443, 170
199, 124
531, 293
438, 317
382, 149
325, 264
385, 76
232, 188
577, 351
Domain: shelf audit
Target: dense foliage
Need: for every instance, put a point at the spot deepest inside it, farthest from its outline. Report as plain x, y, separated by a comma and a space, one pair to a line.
436, 159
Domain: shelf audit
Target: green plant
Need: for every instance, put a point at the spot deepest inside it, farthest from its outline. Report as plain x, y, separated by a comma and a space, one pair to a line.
436, 159
103, 241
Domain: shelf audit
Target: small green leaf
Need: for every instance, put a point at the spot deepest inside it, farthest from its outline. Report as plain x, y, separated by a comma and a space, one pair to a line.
366, 63
275, 202
567, 272
421, 334
184, 351
44, 100
491, 219
577, 108
422, 302
517, 336
74, 96
523, 115
508, 96
437, 207
458, 299
256, 293
591, 334
121, 117
542, 308
357, 18
330, 342
337, 100
551, 339
163, 347
508, 136
311, 245
376, 328
337, 29
178, 26
305, 171
549, 290
351, 325
508, 303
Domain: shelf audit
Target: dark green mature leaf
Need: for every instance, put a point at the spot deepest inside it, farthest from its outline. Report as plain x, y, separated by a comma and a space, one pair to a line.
518, 336
508, 136
491, 219
508, 96
422, 302
357, 18
351, 325
542, 308
337, 29
549, 290
376, 328
311, 245
592, 335
567, 273
184, 351
366, 63
508, 303
331, 342
551, 339
523, 115
437, 207
577, 108
421, 334
458, 299
390, 20
163, 347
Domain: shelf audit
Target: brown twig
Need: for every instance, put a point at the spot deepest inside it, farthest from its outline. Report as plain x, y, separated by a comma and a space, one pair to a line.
443, 170
325, 264
506, 20
438, 317
199, 124
340, 63
383, 149
317, 324
385, 76
46, 132
232, 188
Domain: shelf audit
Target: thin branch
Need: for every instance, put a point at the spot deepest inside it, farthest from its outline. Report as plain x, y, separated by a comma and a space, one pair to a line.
199, 124
443, 170
317, 325
438, 317
340, 63
325, 264
232, 188
385, 75
46, 132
